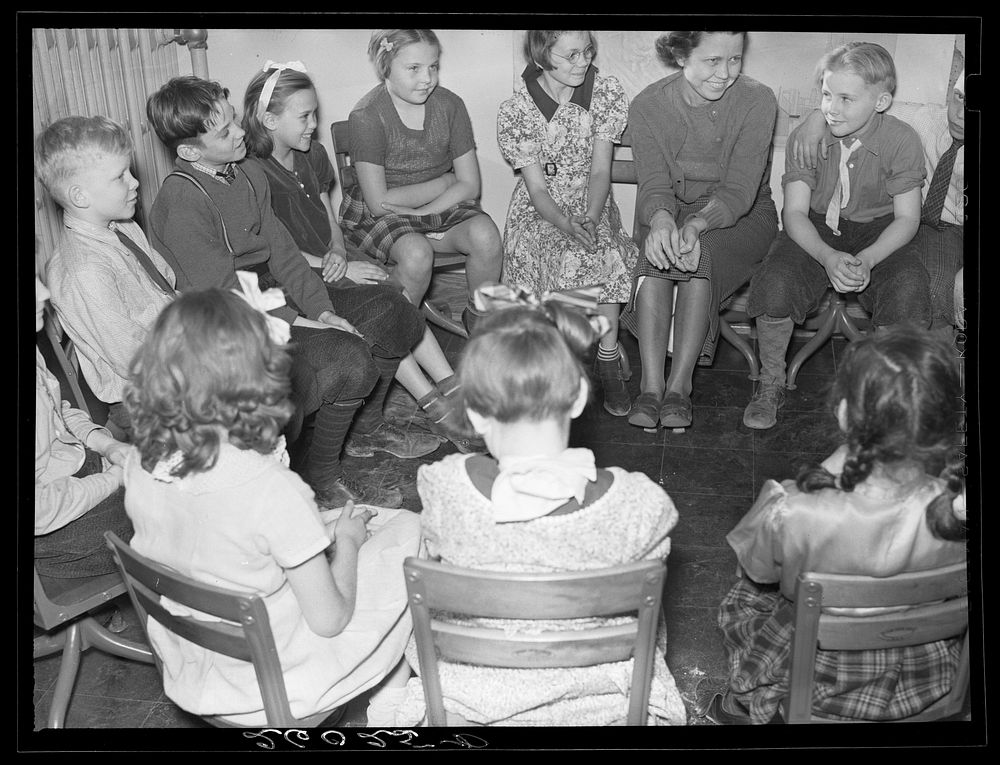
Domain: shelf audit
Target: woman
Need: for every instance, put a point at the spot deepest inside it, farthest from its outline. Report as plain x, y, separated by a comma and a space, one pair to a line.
701, 138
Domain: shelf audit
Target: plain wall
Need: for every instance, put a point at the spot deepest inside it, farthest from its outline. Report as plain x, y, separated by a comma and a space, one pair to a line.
483, 67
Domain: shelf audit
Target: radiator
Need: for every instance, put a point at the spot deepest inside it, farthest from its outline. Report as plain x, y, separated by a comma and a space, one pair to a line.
108, 72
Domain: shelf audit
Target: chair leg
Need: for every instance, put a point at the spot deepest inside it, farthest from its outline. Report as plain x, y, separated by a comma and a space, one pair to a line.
68, 668
822, 335
435, 316
736, 340
46, 644
97, 636
847, 326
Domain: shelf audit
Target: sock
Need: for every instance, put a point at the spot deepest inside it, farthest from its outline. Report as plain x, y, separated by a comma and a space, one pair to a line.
448, 386
370, 416
322, 463
773, 337
383, 705
608, 354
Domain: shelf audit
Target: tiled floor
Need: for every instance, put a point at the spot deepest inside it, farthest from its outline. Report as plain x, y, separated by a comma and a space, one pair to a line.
712, 471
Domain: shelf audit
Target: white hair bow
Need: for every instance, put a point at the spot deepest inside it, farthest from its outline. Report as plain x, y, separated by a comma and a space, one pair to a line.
268, 90
265, 301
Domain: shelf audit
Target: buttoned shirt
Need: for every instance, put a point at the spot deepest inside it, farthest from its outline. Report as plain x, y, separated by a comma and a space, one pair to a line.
60, 434
105, 299
889, 162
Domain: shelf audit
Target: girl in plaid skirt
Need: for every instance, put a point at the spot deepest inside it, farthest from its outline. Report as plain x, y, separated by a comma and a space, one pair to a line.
891, 500
418, 176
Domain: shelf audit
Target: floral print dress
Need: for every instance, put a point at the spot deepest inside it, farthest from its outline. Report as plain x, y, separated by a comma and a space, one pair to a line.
537, 255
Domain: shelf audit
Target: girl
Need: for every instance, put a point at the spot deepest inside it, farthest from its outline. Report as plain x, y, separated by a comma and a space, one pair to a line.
279, 117
418, 176
535, 505
701, 138
563, 227
890, 500
210, 494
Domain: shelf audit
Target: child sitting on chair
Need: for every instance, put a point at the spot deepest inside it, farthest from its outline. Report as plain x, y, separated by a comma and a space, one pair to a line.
891, 500
279, 117
536, 505
78, 479
847, 221
210, 494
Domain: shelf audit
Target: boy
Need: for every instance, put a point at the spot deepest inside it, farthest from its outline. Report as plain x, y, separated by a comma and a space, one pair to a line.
107, 284
213, 216
846, 221
78, 479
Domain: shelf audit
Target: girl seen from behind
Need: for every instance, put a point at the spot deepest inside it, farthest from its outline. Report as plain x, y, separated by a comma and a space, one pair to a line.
563, 227
210, 494
889, 501
280, 118
536, 505
418, 175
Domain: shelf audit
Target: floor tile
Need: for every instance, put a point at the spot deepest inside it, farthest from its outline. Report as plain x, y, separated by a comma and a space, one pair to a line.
706, 471
698, 576
705, 519
799, 431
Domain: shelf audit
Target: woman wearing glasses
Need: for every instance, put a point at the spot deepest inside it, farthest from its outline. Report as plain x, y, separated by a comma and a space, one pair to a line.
563, 227
701, 138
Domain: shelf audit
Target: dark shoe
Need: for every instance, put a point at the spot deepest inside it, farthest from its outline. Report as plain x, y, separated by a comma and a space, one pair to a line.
445, 419
645, 411
675, 410
613, 376
717, 713
762, 411
387, 437
470, 318
337, 494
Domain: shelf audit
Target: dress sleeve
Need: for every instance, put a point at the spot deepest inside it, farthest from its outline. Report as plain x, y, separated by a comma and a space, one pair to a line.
293, 529
517, 133
609, 110
756, 539
322, 166
368, 141
460, 137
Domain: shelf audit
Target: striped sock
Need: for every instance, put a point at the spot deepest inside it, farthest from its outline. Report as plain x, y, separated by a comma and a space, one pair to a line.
607, 354
322, 464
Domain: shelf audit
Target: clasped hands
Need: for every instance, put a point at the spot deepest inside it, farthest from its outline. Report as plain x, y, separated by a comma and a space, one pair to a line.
847, 273
667, 245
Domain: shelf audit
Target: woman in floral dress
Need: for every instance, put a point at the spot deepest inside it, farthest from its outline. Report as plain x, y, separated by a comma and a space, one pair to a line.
563, 227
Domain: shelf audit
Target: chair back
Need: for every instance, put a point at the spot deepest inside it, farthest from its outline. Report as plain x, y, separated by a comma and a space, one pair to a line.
341, 137
65, 365
243, 633
633, 587
933, 605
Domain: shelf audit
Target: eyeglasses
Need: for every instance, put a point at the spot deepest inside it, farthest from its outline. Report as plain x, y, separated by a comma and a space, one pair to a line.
587, 54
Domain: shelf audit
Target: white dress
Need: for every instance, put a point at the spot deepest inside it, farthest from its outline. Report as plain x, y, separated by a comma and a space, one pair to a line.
239, 525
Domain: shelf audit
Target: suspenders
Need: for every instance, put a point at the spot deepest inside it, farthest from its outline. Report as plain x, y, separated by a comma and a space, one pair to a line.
222, 220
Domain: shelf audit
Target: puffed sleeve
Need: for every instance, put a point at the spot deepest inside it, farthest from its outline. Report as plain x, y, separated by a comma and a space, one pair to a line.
906, 167
292, 527
322, 166
756, 539
609, 109
518, 132
368, 141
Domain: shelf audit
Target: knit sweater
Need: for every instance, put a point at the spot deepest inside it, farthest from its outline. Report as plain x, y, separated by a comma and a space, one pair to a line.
745, 116
187, 230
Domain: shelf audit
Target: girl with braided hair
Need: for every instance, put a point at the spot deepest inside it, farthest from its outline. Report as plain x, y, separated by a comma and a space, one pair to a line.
889, 501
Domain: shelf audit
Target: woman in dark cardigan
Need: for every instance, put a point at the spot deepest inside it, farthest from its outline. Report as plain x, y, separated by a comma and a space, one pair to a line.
701, 140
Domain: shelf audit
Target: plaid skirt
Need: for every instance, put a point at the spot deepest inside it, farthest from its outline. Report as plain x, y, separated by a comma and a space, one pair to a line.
886, 684
728, 258
376, 236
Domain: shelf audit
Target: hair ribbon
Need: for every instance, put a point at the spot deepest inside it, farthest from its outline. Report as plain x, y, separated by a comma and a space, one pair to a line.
265, 301
494, 297
268, 90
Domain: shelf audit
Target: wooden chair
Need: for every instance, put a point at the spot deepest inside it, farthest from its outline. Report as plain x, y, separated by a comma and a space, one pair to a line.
434, 586
623, 171
63, 608
244, 632
939, 610
443, 261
